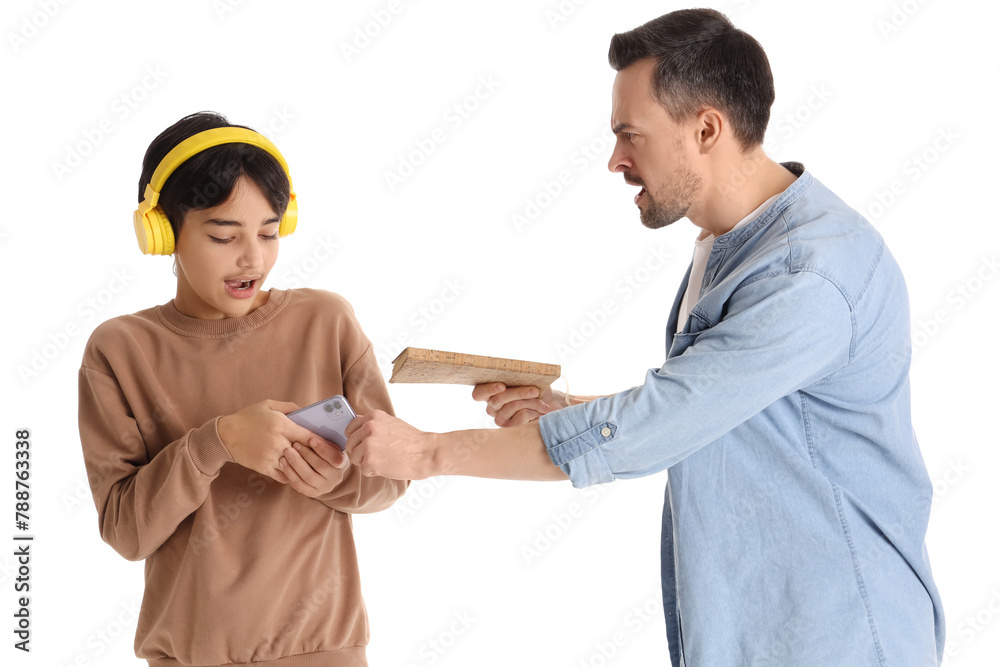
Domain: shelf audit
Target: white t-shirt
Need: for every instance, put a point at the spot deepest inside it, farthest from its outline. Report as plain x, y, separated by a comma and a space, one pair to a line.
702, 249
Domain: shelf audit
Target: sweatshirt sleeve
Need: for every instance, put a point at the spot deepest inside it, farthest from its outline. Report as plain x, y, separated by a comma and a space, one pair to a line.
140, 501
364, 388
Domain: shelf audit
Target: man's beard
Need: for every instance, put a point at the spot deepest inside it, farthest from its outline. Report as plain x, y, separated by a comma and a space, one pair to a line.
671, 203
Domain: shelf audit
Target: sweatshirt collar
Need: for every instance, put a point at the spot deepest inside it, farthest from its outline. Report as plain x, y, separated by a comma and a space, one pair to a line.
182, 324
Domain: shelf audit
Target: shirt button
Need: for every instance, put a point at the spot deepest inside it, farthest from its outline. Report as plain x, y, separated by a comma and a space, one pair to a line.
605, 431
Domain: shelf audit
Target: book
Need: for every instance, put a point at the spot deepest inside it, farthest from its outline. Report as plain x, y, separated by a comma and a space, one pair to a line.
419, 365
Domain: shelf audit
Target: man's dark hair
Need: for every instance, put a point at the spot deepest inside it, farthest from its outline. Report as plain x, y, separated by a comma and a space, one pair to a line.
207, 179
703, 60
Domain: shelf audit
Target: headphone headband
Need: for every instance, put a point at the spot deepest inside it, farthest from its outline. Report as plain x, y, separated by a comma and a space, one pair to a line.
150, 221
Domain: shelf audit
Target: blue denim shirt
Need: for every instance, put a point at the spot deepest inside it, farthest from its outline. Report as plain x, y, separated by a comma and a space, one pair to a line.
797, 499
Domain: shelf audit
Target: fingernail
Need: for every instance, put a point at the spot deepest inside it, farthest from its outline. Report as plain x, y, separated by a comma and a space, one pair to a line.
296, 445
281, 462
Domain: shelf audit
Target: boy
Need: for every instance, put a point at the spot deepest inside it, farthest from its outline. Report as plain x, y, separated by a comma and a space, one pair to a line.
241, 516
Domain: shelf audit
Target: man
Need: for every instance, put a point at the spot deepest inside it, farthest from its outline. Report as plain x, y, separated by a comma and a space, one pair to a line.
797, 500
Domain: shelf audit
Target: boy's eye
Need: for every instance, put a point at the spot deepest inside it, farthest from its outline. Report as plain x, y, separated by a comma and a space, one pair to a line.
218, 240
270, 237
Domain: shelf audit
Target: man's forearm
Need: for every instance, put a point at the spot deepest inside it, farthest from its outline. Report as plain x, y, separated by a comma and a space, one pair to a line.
517, 452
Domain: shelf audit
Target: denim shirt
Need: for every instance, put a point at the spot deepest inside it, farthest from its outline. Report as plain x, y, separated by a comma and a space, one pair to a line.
797, 499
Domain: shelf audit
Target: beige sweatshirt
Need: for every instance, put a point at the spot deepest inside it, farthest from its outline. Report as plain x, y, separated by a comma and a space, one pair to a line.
239, 568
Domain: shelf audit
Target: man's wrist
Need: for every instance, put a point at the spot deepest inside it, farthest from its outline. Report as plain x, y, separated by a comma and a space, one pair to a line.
442, 454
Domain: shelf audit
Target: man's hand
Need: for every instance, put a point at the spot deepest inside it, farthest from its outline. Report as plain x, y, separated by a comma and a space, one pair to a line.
380, 444
258, 436
515, 406
315, 468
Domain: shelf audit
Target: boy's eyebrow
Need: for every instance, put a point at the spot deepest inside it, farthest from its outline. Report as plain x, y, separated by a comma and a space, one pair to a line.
221, 222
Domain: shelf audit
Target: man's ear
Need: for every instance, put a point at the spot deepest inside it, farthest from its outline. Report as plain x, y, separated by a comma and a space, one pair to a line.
708, 127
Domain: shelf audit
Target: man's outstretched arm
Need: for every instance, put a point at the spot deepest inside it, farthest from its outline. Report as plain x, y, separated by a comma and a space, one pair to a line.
384, 445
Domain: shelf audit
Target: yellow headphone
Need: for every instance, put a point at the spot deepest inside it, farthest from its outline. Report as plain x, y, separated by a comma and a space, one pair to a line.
152, 228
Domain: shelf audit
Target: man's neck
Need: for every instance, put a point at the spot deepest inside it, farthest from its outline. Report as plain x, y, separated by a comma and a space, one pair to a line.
739, 187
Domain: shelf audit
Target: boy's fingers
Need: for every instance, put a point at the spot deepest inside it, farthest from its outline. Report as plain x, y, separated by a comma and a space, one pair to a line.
330, 453
293, 464
283, 407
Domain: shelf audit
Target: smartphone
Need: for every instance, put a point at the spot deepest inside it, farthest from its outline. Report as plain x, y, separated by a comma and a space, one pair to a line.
327, 419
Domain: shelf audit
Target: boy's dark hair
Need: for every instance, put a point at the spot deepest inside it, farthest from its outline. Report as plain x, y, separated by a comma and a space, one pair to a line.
703, 60
207, 179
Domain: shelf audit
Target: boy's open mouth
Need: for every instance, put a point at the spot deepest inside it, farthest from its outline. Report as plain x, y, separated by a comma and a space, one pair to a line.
240, 288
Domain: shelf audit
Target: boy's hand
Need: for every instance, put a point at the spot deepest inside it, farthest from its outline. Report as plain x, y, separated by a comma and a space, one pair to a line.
258, 435
314, 468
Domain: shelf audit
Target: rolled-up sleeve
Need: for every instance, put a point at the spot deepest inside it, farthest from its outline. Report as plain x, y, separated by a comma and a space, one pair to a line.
779, 334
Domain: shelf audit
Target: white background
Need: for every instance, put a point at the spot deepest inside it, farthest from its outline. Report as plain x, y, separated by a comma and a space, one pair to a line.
863, 87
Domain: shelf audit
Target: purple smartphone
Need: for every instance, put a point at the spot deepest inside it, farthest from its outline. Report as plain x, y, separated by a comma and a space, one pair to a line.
327, 419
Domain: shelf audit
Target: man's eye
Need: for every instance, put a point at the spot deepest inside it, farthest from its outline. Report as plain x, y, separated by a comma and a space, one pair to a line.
629, 135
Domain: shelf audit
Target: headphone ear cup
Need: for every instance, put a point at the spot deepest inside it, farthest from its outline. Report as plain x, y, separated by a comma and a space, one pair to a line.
153, 232
143, 232
161, 227
290, 219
